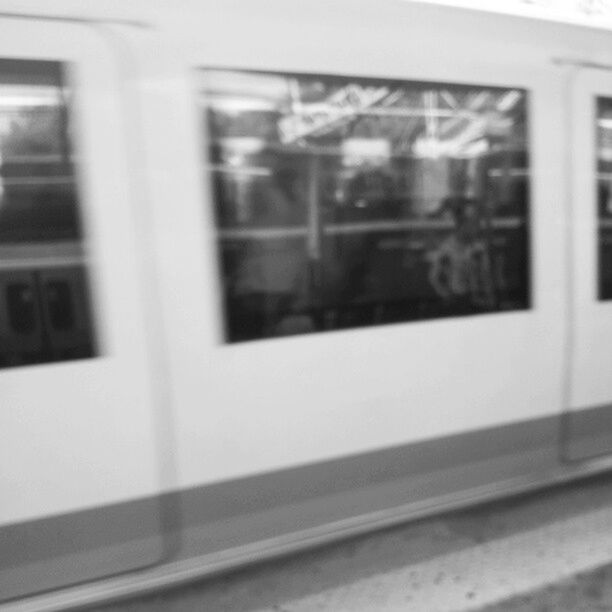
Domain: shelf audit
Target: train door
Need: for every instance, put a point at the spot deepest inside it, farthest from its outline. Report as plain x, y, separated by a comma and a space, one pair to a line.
79, 480
589, 418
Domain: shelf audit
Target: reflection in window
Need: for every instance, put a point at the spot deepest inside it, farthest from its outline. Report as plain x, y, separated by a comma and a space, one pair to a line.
346, 202
43, 284
604, 195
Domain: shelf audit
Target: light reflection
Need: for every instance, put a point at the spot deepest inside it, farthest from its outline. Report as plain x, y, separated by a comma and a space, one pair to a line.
19, 96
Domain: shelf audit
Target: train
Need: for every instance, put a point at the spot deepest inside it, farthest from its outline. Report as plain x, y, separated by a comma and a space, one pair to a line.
277, 273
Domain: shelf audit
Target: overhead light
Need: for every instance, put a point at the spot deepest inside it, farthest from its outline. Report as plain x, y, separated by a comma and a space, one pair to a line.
238, 105
242, 145
509, 100
24, 96
475, 149
341, 105
431, 148
355, 151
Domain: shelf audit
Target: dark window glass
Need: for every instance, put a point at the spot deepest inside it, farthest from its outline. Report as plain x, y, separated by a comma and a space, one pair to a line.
61, 308
20, 299
344, 202
604, 195
40, 227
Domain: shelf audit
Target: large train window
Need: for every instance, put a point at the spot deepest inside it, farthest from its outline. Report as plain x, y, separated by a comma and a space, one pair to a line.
44, 310
604, 195
348, 202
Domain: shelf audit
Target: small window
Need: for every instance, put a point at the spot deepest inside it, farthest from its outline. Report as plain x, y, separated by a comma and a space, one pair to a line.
40, 225
349, 202
604, 195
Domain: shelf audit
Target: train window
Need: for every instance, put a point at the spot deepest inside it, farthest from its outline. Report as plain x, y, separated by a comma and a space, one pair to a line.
40, 228
347, 202
604, 195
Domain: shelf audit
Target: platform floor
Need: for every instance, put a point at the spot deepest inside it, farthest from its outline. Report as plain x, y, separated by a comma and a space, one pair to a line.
549, 551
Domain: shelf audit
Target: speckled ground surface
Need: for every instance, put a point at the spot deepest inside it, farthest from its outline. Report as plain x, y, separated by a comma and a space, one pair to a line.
588, 592
544, 552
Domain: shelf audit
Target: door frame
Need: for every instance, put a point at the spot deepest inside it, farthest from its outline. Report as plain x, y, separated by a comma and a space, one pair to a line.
587, 418
83, 439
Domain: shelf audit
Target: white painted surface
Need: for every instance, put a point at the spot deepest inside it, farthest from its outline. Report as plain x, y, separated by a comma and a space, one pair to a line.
264, 405
79, 434
589, 13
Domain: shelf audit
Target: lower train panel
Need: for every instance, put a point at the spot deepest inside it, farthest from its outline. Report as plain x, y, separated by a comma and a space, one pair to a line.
212, 528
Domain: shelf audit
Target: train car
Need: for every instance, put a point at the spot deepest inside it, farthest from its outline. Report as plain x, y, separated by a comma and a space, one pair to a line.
275, 273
